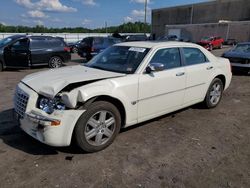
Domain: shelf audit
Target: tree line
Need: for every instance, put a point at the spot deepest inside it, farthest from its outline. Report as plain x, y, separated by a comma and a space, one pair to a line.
136, 27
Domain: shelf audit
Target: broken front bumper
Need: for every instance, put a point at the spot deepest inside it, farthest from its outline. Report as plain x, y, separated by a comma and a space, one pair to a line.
54, 129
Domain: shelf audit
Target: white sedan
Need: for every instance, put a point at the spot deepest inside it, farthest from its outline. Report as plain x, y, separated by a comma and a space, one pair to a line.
126, 84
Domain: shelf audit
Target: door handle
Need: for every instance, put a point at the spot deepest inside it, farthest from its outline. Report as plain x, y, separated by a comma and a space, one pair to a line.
180, 73
210, 67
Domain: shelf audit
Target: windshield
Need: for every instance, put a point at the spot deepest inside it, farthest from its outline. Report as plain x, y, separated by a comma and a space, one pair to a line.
121, 59
5, 41
206, 38
242, 48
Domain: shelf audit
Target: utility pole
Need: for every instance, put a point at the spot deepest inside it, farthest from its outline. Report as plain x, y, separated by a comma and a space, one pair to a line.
145, 16
106, 29
192, 14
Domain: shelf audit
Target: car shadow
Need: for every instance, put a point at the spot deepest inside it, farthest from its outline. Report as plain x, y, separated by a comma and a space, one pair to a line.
12, 135
80, 61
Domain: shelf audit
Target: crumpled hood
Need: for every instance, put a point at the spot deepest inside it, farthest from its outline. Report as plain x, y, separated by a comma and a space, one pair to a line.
49, 83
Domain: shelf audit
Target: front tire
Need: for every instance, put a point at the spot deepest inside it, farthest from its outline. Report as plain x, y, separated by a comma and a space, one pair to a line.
214, 93
55, 62
97, 128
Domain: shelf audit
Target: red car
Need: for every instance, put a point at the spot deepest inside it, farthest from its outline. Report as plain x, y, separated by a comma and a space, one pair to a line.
211, 42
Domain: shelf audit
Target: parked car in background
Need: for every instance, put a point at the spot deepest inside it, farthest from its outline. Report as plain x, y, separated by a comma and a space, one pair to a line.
126, 84
138, 37
173, 38
168, 38
211, 43
74, 46
29, 51
230, 42
239, 57
91, 46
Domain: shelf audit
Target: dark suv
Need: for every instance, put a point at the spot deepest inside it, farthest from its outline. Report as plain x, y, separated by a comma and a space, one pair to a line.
91, 46
28, 51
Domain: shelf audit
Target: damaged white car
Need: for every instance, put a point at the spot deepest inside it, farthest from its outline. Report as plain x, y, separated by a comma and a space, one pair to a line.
126, 84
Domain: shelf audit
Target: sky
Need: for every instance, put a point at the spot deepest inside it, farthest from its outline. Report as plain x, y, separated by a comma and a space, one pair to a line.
79, 13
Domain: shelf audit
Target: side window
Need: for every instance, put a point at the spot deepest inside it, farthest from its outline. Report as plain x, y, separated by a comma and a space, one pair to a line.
38, 44
169, 57
193, 56
22, 44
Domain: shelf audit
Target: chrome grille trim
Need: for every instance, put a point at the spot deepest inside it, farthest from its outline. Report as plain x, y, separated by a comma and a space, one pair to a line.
20, 102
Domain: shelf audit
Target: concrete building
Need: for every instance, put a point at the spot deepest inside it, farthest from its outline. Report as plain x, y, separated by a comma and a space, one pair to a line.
226, 18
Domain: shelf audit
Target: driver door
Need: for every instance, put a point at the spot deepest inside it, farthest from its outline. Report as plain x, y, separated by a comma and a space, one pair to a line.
17, 54
162, 92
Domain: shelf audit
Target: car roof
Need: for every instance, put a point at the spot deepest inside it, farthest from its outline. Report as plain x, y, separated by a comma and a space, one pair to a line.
156, 44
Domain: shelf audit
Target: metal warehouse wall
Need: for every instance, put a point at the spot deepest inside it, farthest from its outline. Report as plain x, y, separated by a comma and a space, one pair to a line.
208, 12
233, 30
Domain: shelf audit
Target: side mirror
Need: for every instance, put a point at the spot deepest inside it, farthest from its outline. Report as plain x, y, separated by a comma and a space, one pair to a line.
155, 67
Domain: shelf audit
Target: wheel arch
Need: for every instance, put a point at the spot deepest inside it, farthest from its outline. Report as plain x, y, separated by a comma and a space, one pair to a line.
222, 78
118, 104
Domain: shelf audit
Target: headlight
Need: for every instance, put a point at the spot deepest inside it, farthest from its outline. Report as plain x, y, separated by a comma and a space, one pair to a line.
49, 105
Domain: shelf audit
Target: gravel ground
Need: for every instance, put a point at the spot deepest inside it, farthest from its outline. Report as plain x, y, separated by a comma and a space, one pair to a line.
193, 147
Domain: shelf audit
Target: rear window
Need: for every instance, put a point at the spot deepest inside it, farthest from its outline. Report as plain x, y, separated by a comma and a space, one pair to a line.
55, 43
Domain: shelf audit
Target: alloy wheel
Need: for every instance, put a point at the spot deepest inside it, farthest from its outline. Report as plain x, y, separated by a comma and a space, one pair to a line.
215, 93
55, 62
100, 128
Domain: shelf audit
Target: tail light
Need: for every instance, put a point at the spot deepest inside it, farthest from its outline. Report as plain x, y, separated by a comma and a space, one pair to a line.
66, 49
230, 66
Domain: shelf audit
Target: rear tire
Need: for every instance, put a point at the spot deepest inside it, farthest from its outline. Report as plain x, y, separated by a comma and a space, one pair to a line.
1, 66
214, 94
211, 47
97, 128
55, 62
74, 50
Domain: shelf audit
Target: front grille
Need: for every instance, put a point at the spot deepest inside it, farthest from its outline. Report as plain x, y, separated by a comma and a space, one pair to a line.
20, 102
239, 60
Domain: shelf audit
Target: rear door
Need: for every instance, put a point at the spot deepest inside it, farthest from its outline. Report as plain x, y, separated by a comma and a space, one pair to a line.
40, 51
17, 54
198, 70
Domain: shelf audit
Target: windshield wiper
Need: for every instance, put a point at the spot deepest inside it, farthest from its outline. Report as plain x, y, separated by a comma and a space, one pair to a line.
97, 67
